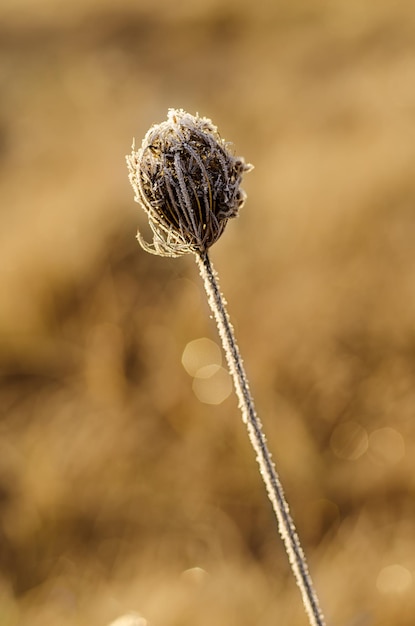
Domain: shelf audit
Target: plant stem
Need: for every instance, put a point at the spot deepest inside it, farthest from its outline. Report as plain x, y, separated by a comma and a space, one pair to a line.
258, 441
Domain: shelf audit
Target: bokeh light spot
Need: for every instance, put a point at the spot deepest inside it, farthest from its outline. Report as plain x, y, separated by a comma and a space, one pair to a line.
194, 575
394, 579
201, 353
215, 389
207, 371
131, 619
386, 446
349, 441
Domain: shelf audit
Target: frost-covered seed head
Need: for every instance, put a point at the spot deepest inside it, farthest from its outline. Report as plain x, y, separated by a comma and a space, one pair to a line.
188, 182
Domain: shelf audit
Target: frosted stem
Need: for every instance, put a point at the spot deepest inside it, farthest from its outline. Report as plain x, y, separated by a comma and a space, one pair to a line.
257, 438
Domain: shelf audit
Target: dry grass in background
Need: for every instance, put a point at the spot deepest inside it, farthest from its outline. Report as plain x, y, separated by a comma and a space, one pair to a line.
119, 489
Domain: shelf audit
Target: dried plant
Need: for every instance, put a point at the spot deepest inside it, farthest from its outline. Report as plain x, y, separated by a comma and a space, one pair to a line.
188, 182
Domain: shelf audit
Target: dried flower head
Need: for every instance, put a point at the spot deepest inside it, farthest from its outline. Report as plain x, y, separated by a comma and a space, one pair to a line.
187, 181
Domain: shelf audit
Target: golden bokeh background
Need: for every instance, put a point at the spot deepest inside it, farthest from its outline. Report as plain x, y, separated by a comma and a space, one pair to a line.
126, 479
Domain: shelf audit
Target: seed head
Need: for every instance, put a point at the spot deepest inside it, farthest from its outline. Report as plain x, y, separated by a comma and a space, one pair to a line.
188, 183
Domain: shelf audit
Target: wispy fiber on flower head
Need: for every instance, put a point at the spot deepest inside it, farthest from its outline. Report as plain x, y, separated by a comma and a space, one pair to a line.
187, 181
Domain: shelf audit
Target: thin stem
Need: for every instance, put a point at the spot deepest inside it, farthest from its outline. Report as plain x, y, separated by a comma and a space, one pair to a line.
258, 441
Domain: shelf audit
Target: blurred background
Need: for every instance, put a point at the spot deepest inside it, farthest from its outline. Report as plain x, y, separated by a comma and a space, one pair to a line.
126, 479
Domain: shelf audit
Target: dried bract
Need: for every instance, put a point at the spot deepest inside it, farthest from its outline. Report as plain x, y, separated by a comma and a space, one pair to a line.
188, 182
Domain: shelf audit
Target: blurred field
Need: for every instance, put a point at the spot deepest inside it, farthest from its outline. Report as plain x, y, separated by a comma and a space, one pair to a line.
119, 489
